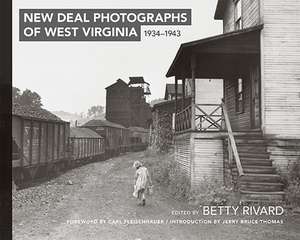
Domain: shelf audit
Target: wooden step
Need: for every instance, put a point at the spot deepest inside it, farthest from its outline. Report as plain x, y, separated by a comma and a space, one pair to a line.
251, 149
251, 134
252, 196
250, 141
254, 155
255, 162
260, 178
255, 169
258, 162
260, 186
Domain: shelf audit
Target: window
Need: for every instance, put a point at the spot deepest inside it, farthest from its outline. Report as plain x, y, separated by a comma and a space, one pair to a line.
238, 14
240, 98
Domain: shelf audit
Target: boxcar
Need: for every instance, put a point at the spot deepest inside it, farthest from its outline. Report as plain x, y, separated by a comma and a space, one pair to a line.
40, 141
116, 136
86, 145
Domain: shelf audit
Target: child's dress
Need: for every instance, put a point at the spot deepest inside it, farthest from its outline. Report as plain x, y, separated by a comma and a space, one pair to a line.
141, 175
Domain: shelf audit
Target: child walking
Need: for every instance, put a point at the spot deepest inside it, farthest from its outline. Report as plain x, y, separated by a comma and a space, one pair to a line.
142, 181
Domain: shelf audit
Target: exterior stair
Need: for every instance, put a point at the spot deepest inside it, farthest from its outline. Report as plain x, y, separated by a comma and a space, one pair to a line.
260, 182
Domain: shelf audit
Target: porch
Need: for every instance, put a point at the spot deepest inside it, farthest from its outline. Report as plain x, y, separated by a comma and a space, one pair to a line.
234, 60
222, 139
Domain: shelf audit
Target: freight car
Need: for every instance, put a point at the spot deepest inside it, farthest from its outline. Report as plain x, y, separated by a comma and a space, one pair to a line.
44, 144
40, 142
86, 145
117, 137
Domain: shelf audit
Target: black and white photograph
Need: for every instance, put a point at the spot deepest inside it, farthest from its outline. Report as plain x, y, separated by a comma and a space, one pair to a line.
148, 120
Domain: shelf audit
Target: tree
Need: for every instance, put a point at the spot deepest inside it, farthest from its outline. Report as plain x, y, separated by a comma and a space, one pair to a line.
16, 94
27, 98
95, 111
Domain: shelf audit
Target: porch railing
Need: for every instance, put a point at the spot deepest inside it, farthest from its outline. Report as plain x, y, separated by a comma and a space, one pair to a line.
232, 148
183, 119
208, 117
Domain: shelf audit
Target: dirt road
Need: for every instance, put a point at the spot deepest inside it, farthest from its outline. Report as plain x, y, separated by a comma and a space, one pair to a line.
95, 200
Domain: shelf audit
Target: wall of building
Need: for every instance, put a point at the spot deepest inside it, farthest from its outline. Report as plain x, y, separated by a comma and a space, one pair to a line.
127, 106
281, 67
239, 121
208, 91
250, 14
183, 152
207, 159
200, 156
228, 17
118, 105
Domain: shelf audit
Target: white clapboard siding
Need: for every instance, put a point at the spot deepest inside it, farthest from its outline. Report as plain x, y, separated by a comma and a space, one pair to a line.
281, 67
208, 91
207, 160
182, 153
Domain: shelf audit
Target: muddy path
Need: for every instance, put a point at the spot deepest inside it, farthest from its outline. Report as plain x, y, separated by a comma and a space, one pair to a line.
95, 202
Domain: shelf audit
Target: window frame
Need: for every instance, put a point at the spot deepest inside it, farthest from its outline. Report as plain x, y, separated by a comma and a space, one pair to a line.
240, 95
238, 19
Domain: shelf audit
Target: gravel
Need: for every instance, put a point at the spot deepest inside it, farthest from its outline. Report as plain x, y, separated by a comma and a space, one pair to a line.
49, 192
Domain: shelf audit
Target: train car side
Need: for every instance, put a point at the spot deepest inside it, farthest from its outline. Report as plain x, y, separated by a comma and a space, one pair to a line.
44, 145
40, 142
116, 136
86, 146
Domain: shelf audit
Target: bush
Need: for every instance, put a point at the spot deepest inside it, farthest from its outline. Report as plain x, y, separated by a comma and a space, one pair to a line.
211, 192
166, 172
179, 183
292, 181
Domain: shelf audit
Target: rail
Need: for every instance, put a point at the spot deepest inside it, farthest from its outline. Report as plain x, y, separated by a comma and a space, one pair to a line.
232, 148
183, 119
208, 117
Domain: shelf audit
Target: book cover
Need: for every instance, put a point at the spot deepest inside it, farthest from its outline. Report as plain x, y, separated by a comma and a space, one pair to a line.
155, 119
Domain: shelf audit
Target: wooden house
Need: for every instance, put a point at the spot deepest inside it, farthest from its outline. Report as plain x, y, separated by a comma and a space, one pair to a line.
255, 130
139, 135
170, 91
126, 104
118, 103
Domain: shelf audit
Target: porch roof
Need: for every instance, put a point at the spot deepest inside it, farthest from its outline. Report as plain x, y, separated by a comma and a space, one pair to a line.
216, 55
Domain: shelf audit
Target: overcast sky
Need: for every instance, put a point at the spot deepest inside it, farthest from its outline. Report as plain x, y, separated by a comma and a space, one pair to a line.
72, 76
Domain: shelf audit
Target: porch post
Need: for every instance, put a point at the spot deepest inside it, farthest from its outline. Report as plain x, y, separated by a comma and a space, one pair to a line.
183, 92
193, 69
176, 91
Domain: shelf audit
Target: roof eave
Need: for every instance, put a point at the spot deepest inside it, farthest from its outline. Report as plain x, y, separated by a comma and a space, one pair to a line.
39, 119
183, 46
170, 72
219, 13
